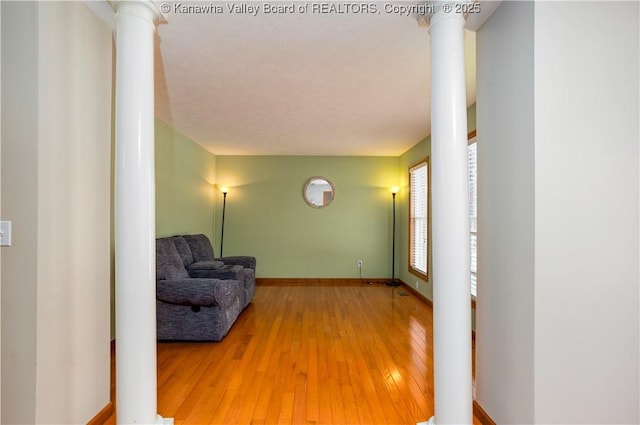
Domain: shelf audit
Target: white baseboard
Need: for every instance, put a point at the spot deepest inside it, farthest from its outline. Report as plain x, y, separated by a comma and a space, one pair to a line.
164, 421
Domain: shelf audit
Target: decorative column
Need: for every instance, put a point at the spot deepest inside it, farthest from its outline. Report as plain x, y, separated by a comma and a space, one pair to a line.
450, 225
135, 214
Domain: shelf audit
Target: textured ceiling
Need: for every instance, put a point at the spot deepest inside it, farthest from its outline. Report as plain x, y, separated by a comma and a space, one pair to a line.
297, 84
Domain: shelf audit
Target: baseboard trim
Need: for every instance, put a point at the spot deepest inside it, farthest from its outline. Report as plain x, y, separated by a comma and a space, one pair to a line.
430, 304
109, 410
418, 295
481, 415
103, 416
301, 281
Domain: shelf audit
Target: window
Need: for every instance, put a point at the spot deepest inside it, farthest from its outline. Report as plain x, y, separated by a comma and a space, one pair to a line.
418, 218
472, 155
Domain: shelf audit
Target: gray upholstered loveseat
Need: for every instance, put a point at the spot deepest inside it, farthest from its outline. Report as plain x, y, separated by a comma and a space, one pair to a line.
198, 296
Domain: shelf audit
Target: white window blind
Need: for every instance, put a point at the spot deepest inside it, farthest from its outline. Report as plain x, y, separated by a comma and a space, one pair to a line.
419, 192
472, 155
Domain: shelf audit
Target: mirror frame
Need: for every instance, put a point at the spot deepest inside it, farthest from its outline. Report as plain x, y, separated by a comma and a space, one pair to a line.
306, 186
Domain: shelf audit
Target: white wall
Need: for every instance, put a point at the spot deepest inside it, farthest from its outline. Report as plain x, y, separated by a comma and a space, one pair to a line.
55, 188
19, 204
570, 323
505, 134
586, 155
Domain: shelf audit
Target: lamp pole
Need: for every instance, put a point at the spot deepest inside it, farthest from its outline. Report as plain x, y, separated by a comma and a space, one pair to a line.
224, 207
393, 281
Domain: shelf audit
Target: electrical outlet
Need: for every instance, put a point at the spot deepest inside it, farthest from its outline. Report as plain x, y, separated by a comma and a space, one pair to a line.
359, 264
417, 284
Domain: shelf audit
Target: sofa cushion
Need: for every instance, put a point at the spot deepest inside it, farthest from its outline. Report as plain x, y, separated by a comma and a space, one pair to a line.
183, 249
200, 247
169, 265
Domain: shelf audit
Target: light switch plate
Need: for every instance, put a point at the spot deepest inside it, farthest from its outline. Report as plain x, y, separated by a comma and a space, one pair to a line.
5, 233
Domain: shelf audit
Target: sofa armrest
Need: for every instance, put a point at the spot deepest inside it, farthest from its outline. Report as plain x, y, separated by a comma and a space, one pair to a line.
222, 273
196, 292
240, 260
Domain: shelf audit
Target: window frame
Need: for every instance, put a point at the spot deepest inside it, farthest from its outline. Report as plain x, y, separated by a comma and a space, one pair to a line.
413, 270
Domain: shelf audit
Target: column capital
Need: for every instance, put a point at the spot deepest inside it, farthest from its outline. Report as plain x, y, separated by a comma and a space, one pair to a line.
442, 9
447, 8
474, 12
148, 6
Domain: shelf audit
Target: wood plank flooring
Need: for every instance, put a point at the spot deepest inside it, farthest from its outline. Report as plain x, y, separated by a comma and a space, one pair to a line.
307, 354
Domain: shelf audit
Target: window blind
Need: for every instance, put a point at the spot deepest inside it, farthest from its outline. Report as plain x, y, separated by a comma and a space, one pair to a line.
472, 156
418, 180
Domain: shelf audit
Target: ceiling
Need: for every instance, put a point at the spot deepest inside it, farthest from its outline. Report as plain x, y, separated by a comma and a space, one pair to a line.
297, 84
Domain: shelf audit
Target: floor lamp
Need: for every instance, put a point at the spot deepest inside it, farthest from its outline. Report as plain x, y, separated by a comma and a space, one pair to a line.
224, 207
393, 281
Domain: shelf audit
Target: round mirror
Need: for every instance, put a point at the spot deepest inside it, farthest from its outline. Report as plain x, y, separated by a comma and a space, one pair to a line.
318, 192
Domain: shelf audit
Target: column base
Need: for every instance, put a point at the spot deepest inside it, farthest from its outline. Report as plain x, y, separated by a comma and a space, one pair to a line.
164, 421
431, 421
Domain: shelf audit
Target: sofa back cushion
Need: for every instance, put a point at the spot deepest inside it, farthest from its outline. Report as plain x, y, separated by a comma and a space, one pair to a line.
183, 249
200, 247
169, 265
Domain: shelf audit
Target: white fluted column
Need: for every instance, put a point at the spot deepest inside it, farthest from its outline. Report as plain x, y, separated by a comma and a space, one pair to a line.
135, 214
450, 209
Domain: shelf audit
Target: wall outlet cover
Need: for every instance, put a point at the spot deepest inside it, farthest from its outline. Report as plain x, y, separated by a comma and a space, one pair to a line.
5, 233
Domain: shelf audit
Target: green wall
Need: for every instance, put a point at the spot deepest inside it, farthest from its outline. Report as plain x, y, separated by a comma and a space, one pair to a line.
267, 217
185, 174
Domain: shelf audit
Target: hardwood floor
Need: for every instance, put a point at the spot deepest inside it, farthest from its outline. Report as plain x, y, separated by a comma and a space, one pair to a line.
322, 354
